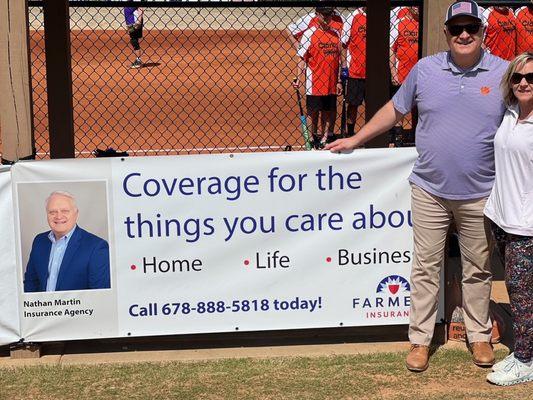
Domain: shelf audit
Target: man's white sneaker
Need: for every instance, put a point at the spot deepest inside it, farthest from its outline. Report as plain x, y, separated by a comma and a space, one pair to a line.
515, 372
503, 363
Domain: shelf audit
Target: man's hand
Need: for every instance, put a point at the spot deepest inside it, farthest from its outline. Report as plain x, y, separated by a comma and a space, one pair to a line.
341, 145
296, 83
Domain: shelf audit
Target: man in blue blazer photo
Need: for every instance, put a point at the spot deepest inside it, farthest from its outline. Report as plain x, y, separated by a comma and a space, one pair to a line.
67, 257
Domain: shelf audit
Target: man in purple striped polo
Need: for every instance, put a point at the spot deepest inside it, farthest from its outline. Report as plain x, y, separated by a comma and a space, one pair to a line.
460, 108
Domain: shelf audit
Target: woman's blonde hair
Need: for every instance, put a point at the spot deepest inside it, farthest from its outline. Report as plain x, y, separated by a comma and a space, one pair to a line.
507, 87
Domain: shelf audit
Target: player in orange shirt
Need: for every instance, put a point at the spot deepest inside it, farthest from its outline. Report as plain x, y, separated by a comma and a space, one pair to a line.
500, 31
524, 29
354, 39
320, 53
403, 57
404, 46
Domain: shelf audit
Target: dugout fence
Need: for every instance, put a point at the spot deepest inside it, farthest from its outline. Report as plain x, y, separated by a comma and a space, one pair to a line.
217, 77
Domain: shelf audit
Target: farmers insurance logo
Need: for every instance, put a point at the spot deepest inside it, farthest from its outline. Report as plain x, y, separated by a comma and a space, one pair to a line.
392, 299
393, 284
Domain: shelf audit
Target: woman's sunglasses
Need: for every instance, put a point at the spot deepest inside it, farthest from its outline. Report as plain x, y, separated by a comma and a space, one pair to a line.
516, 78
471, 29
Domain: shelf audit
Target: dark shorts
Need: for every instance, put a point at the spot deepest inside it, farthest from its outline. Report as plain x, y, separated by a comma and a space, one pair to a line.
355, 92
135, 31
321, 103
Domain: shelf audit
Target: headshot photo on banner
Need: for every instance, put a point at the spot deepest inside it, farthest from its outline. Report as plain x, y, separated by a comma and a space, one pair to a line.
64, 236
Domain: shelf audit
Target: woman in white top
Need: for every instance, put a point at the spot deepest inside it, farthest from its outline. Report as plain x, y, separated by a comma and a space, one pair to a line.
510, 208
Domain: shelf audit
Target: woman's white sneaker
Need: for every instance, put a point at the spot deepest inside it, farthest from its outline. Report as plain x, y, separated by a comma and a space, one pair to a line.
515, 372
503, 363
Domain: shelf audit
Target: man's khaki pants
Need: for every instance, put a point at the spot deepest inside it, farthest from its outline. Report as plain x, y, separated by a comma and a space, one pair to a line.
432, 216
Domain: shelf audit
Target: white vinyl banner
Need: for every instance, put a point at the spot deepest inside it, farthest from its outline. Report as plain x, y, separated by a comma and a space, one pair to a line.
9, 321
213, 243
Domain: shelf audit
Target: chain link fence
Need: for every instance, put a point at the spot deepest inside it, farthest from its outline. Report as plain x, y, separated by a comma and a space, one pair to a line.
212, 79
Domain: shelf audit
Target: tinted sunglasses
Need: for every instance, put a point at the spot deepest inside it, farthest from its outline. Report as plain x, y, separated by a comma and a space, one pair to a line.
516, 78
456, 30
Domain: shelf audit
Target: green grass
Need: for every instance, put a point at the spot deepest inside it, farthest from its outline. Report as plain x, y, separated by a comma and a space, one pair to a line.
379, 376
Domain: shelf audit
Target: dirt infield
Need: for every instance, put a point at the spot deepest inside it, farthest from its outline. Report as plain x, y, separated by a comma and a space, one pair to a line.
216, 79
200, 91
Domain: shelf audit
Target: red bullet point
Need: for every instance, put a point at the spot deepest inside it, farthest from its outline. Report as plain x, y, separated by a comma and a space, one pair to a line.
246, 262
133, 267
328, 259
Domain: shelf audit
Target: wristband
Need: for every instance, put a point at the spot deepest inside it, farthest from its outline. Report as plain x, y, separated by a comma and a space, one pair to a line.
344, 74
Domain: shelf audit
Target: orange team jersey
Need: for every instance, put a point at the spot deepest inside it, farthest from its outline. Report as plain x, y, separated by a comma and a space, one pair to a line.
298, 28
354, 38
524, 29
321, 51
500, 36
405, 46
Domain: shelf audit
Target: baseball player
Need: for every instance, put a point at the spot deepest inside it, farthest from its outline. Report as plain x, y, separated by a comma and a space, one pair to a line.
311, 20
354, 39
500, 32
524, 28
320, 53
403, 57
134, 24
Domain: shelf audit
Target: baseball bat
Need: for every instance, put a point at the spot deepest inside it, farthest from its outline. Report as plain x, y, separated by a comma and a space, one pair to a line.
303, 119
343, 112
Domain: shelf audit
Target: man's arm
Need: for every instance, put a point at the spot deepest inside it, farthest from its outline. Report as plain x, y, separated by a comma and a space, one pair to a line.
99, 271
382, 121
303, 47
31, 279
299, 73
393, 67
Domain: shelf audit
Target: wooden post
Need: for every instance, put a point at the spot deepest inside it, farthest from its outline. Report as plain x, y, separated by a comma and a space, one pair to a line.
377, 62
16, 125
59, 78
433, 38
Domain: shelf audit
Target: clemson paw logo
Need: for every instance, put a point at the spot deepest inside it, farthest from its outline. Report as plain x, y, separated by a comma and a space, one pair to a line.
485, 90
